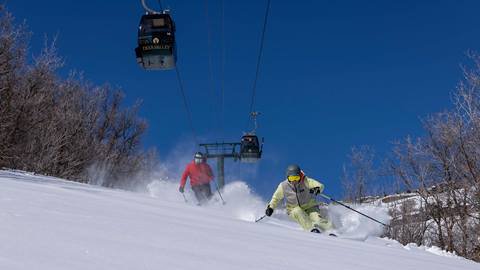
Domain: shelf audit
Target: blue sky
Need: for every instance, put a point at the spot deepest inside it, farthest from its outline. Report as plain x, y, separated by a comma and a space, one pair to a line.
335, 74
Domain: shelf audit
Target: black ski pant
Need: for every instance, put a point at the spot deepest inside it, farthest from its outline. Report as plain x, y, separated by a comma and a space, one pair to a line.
203, 192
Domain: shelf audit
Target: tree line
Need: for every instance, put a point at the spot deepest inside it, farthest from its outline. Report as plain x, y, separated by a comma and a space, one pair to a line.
438, 175
64, 127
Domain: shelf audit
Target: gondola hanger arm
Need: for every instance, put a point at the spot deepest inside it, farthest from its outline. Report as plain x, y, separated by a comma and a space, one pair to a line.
148, 9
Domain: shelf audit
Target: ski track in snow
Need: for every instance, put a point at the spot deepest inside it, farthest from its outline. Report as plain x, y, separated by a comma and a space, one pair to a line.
47, 223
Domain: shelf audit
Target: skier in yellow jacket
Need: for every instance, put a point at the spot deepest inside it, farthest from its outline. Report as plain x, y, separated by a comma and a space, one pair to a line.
299, 192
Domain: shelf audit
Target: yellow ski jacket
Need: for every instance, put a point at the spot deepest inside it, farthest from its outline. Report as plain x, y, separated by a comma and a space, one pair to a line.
296, 194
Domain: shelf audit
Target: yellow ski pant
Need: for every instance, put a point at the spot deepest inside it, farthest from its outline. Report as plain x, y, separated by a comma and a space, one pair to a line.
310, 219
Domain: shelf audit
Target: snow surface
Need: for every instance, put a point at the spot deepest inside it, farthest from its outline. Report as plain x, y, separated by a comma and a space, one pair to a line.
47, 223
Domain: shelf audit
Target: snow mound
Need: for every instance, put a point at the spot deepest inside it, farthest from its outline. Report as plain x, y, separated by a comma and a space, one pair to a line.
165, 190
241, 202
433, 249
352, 225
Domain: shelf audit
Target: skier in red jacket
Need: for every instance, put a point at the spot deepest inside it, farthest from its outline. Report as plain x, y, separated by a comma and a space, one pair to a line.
200, 175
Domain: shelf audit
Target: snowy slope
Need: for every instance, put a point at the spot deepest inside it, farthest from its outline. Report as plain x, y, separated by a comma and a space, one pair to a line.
48, 224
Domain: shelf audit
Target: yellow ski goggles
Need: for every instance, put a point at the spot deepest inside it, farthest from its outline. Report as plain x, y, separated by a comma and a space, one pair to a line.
293, 178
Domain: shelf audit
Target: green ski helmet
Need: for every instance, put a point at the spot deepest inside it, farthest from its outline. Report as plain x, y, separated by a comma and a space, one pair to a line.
293, 173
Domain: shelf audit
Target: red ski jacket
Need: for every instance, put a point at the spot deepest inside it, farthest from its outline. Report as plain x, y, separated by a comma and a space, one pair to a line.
199, 174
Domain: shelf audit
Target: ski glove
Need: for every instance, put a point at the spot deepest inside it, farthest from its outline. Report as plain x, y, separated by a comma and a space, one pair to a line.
269, 211
315, 190
181, 189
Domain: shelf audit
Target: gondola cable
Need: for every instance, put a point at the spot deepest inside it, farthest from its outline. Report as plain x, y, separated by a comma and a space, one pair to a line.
160, 4
156, 49
187, 106
216, 97
251, 149
257, 72
222, 74
156, 37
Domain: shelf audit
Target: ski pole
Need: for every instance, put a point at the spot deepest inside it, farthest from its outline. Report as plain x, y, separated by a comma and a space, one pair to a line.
185, 198
218, 190
258, 219
344, 205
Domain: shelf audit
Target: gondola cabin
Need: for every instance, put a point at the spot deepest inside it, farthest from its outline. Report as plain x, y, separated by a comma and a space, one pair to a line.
250, 149
156, 42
